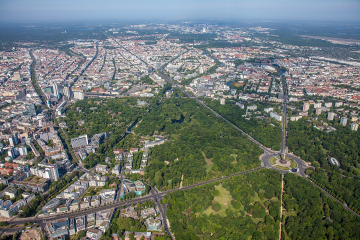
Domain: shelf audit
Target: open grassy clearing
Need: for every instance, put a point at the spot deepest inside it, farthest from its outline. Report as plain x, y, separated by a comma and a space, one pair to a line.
288, 214
225, 201
235, 160
209, 163
281, 167
273, 161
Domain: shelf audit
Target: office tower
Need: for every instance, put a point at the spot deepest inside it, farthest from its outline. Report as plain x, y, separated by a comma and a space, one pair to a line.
56, 89
31, 109
67, 92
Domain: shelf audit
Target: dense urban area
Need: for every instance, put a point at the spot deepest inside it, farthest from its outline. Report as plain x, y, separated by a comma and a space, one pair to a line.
179, 131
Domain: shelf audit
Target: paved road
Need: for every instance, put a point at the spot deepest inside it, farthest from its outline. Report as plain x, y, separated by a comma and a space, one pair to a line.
159, 195
268, 153
163, 217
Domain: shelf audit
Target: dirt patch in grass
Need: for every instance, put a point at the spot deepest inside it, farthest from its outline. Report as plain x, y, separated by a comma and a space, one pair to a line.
30, 234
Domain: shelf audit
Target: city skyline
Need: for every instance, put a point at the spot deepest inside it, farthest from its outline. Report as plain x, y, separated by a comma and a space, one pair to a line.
318, 10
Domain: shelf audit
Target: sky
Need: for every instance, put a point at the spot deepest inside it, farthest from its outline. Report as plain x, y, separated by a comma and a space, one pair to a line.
270, 10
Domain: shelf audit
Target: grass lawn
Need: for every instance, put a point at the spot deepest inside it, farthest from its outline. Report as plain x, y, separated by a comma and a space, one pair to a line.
238, 84
87, 192
209, 163
288, 214
273, 161
235, 156
225, 201
293, 164
34, 179
281, 167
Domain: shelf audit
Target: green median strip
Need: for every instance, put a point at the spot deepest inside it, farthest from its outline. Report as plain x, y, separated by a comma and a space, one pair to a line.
281, 167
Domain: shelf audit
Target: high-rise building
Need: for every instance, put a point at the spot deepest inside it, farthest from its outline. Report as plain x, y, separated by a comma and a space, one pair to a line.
54, 172
317, 105
11, 153
354, 126
11, 141
158, 66
331, 116
318, 111
338, 104
306, 107
328, 104
222, 101
79, 95
23, 151
343, 121
80, 141
31, 109
67, 92
56, 89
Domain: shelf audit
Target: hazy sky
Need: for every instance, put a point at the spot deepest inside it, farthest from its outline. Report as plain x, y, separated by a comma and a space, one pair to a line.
49, 10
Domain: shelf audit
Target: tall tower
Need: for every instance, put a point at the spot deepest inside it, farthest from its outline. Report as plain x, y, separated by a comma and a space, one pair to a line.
67, 92
56, 89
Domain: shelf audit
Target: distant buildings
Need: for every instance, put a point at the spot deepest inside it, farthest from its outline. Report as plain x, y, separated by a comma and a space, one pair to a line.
250, 108
153, 224
128, 186
306, 107
295, 118
318, 111
158, 141
334, 161
354, 126
240, 105
95, 225
317, 105
331, 116
83, 147
79, 142
343, 121
138, 235
267, 110
51, 172
276, 116
338, 104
